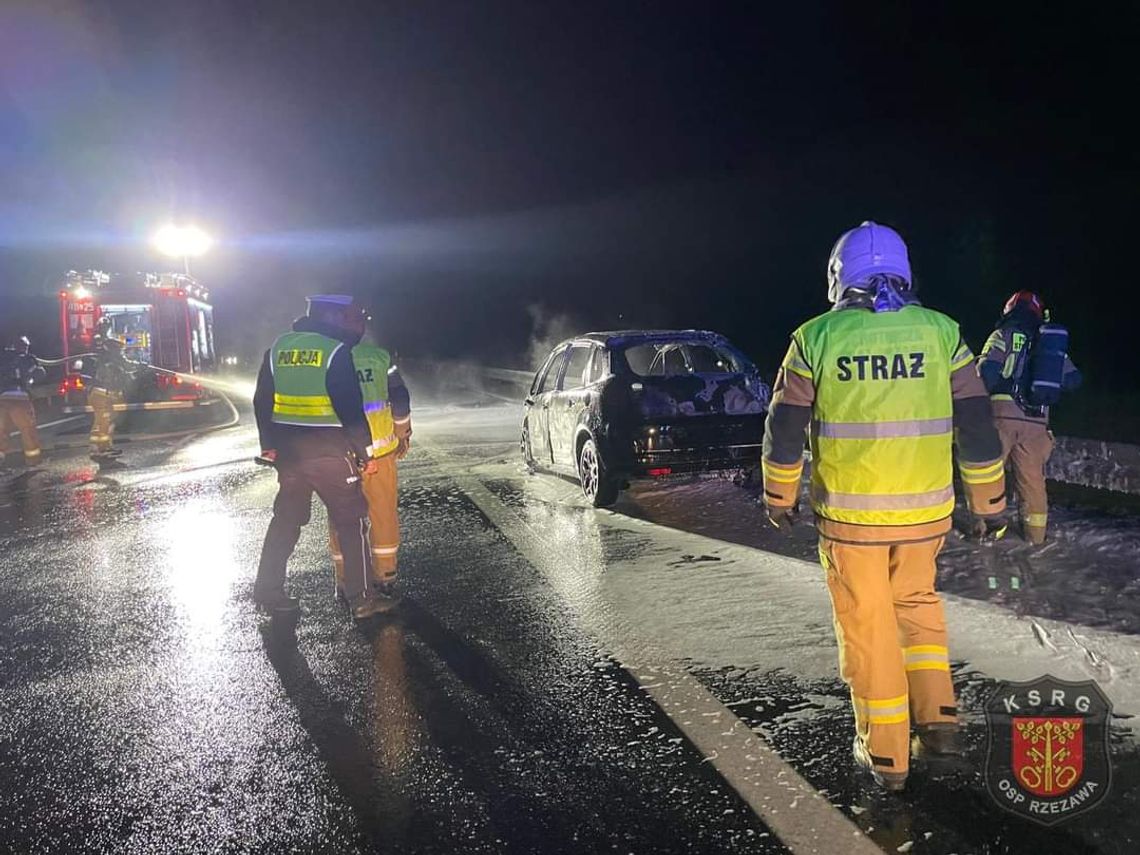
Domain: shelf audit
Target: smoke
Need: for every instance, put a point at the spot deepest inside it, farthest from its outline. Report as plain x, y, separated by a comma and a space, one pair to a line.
547, 330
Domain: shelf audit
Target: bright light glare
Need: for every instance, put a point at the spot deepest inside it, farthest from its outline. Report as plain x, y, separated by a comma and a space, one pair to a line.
201, 567
182, 241
82, 293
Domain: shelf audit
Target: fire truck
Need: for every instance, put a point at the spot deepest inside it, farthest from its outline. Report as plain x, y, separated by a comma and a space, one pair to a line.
163, 320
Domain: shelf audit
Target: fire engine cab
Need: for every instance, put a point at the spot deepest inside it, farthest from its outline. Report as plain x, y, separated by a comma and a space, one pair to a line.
163, 321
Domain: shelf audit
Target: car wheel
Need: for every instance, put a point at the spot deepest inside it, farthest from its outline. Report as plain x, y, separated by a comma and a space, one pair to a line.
597, 486
527, 454
750, 477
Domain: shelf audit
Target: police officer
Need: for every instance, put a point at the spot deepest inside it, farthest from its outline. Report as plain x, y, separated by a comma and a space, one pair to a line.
19, 371
882, 385
310, 418
114, 374
1024, 429
387, 407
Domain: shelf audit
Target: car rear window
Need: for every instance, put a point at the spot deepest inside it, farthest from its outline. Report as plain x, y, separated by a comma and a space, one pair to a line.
668, 359
710, 360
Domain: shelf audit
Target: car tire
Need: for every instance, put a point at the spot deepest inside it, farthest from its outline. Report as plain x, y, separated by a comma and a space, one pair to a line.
751, 477
527, 454
600, 490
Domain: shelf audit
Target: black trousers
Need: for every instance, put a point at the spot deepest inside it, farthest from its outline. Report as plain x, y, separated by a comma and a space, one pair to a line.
328, 477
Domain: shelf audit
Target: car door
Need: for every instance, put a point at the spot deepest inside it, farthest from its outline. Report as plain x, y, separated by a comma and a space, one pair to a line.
566, 407
538, 406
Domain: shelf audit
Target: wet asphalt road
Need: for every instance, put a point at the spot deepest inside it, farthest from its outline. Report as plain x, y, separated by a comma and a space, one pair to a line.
145, 708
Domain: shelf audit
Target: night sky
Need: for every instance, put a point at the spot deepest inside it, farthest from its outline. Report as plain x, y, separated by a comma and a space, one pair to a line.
488, 173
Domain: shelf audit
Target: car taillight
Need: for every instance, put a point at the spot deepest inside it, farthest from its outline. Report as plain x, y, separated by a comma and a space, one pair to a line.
71, 384
664, 470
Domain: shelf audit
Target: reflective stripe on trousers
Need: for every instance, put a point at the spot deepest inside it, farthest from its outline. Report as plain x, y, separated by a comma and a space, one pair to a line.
1027, 446
380, 491
881, 594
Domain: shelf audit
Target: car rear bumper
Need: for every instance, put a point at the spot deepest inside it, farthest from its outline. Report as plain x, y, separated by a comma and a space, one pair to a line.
692, 460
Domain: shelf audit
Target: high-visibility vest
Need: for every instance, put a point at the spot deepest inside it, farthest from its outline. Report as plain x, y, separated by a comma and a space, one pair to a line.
882, 422
372, 364
300, 364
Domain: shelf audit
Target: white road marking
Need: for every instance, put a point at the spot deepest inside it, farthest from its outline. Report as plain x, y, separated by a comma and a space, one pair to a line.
803, 819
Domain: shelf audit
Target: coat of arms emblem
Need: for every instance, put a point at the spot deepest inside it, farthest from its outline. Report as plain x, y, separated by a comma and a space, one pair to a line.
1047, 758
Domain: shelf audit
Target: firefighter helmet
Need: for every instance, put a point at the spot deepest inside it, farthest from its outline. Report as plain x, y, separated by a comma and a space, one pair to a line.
1028, 299
20, 343
863, 252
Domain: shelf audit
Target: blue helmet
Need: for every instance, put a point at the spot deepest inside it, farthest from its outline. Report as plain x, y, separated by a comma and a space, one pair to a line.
863, 252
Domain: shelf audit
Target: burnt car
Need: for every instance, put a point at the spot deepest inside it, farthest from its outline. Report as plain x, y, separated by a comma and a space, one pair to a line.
608, 407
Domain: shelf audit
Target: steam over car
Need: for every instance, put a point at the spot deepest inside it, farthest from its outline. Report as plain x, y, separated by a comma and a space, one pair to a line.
608, 407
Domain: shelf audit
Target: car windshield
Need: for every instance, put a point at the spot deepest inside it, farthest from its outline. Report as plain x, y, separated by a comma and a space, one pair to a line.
672, 358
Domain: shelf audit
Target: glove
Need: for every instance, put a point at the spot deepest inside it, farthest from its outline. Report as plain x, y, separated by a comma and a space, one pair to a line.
405, 445
989, 529
782, 518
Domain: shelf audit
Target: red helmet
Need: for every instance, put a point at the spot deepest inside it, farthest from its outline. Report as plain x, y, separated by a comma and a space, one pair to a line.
1025, 298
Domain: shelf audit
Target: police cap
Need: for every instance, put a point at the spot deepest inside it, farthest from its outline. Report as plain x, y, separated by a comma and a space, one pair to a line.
334, 304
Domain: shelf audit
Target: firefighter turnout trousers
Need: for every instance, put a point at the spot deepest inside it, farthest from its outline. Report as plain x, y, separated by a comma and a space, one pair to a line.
380, 493
892, 642
103, 403
17, 413
297, 480
1026, 446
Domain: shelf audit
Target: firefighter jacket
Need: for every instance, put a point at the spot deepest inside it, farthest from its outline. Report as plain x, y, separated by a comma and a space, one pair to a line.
113, 371
1002, 358
18, 371
373, 365
308, 401
882, 397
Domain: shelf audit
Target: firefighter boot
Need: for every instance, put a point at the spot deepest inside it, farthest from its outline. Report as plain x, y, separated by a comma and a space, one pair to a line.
277, 602
891, 781
939, 738
367, 605
386, 590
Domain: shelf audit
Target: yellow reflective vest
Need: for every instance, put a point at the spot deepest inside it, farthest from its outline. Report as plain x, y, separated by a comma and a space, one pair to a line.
372, 364
300, 363
882, 421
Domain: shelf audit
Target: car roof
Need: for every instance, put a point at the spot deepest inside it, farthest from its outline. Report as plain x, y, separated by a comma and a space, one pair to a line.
620, 338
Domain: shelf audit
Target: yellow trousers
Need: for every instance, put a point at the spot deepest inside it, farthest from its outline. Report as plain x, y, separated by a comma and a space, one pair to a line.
1027, 446
103, 421
380, 492
892, 642
17, 413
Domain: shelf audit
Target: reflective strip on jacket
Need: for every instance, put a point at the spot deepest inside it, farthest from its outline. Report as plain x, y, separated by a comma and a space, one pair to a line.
300, 363
882, 425
372, 364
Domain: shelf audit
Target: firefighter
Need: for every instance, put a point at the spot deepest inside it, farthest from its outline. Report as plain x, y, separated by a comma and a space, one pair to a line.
311, 422
883, 386
387, 407
1023, 425
114, 374
19, 371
